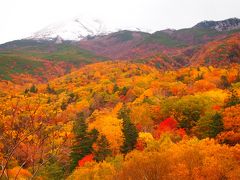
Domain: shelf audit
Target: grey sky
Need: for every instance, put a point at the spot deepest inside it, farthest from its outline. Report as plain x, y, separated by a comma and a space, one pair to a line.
20, 18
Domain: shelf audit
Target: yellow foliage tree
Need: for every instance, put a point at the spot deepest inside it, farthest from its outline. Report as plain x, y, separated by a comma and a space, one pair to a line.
110, 126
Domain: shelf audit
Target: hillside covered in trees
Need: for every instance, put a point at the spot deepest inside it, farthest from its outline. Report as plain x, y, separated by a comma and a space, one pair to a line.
122, 120
126, 105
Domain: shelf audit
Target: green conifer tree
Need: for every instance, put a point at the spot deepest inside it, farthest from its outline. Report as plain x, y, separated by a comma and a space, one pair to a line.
129, 131
216, 126
83, 141
33, 89
103, 149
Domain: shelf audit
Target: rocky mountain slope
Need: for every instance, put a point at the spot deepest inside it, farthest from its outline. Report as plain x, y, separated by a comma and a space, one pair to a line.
225, 25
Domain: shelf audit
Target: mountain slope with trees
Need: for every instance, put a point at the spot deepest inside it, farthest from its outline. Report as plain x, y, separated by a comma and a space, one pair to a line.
105, 116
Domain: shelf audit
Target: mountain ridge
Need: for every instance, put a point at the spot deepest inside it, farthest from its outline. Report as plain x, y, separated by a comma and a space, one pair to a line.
166, 49
82, 28
224, 25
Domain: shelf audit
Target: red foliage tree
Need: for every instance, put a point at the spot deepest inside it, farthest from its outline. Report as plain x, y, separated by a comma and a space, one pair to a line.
140, 145
86, 159
168, 125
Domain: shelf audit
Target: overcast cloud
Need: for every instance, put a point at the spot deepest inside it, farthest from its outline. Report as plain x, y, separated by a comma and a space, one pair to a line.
20, 18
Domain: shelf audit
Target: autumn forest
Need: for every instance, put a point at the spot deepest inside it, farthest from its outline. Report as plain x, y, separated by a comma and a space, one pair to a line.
135, 106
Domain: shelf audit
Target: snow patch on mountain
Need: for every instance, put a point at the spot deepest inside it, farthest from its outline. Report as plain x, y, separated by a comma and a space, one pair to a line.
224, 25
74, 29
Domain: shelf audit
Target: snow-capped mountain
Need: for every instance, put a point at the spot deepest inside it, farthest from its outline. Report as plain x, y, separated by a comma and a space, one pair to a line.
74, 29
224, 25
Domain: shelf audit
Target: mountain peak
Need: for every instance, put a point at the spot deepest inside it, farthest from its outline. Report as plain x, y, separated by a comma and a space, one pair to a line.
73, 29
58, 40
224, 25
